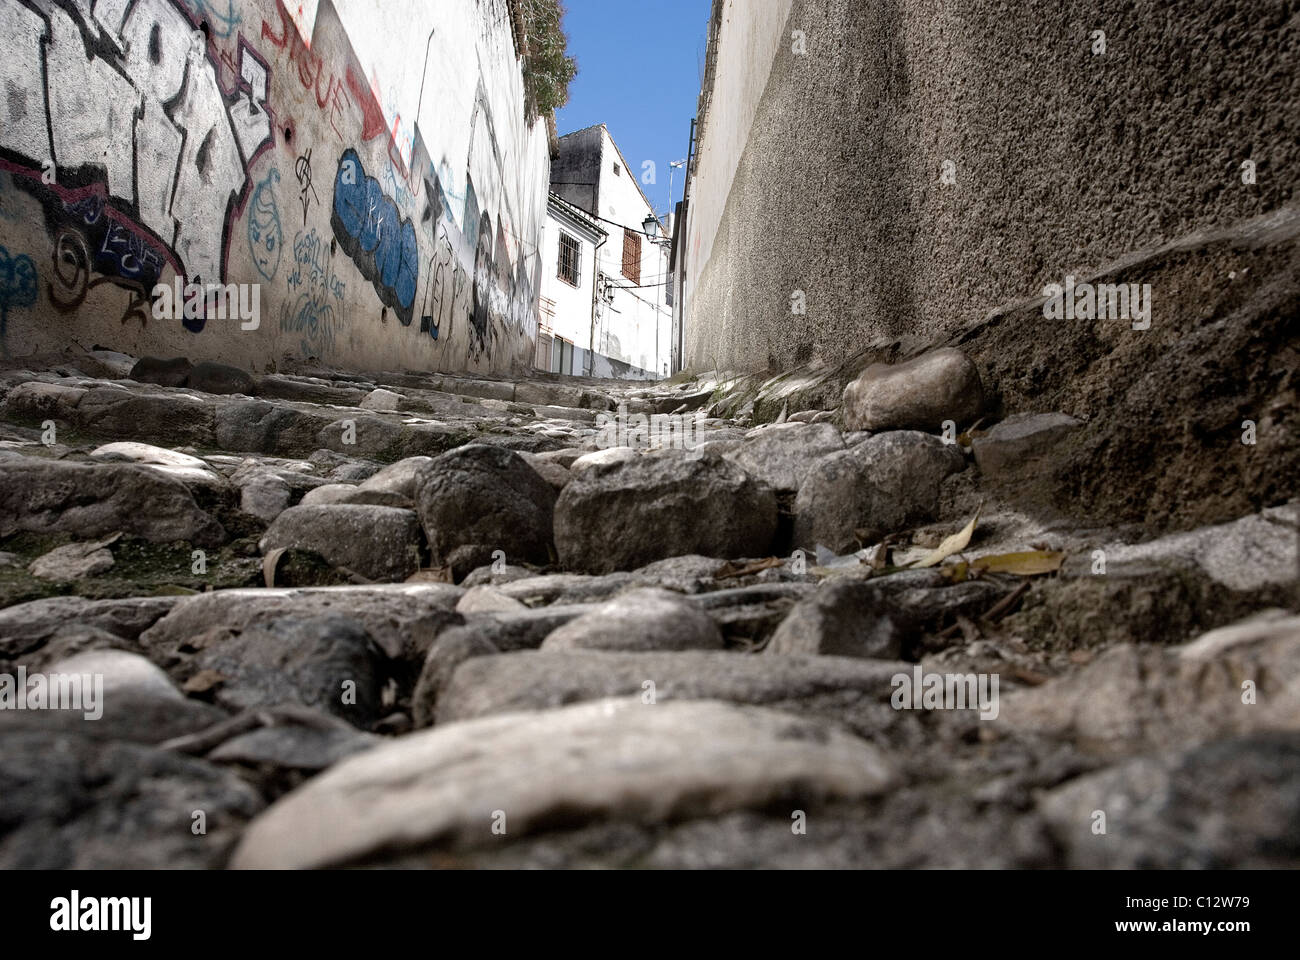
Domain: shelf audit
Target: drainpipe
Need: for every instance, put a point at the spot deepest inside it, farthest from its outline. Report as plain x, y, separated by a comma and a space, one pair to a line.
595, 291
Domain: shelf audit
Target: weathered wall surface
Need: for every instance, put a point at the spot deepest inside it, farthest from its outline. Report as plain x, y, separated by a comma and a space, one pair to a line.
1062, 159
388, 222
745, 38
575, 173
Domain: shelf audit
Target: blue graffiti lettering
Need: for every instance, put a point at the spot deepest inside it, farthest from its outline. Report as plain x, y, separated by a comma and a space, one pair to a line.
372, 232
17, 287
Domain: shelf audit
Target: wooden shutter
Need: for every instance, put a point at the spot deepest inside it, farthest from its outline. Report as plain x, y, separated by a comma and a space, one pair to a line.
632, 255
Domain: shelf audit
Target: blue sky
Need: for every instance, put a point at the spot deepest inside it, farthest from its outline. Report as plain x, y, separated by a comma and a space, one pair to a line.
639, 68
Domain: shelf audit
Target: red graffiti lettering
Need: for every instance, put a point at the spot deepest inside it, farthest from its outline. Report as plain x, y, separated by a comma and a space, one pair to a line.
372, 113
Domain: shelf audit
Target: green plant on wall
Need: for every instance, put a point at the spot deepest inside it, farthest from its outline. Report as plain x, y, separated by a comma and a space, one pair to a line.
548, 69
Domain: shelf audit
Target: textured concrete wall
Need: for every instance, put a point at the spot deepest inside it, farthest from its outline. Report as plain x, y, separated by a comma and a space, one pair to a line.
1062, 158
746, 38
373, 180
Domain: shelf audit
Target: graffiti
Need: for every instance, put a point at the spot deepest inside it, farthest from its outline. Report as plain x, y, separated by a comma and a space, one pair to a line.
435, 203
396, 188
522, 298
369, 228
445, 291
265, 236
131, 101
141, 131
312, 266
372, 117
311, 69
315, 320
221, 24
127, 255
302, 170
403, 138
75, 276
17, 287
317, 295
372, 114
122, 256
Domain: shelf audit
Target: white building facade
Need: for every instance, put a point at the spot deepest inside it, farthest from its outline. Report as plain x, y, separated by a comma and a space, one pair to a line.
633, 311
569, 241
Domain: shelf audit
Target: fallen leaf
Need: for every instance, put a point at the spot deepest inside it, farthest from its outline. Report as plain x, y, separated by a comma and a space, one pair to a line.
875, 556
967, 437
957, 572
954, 544
269, 563
1029, 563
203, 681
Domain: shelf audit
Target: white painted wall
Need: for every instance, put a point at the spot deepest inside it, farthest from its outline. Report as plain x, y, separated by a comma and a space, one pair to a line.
629, 321
572, 319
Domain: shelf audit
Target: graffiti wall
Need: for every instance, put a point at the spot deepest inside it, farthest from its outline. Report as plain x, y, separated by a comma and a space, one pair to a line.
195, 145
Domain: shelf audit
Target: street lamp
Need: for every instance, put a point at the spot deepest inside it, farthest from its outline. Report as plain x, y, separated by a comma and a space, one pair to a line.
651, 225
673, 167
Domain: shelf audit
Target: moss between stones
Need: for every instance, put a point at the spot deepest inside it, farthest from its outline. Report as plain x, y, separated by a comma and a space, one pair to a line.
140, 568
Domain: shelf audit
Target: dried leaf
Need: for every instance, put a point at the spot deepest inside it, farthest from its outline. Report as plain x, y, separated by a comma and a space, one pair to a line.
269, 563
203, 681
954, 544
1028, 563
957, 572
